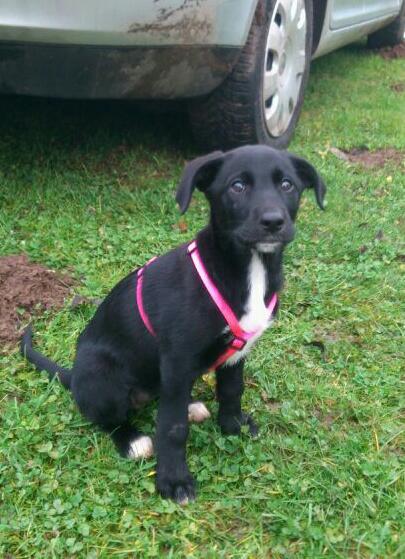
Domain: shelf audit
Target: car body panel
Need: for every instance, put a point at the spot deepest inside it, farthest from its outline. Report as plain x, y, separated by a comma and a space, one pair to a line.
127, 22
332, 39
346, 13
144, 49
96, 72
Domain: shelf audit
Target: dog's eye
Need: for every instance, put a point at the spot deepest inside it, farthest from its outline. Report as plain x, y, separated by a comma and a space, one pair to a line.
238, 186
286, 186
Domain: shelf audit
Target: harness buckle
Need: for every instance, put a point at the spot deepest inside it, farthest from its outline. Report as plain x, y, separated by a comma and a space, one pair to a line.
238, 343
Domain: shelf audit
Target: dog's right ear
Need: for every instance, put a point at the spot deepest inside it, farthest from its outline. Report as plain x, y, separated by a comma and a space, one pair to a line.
199, 173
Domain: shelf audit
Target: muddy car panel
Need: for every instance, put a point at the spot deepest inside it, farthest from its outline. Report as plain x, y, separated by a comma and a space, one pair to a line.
127, 22
161, 49
148, 49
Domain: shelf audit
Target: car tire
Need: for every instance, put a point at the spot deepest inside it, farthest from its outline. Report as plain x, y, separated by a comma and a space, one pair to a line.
276, 55
391, 35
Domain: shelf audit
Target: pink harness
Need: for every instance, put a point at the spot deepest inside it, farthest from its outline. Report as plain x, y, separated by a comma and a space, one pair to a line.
240, 336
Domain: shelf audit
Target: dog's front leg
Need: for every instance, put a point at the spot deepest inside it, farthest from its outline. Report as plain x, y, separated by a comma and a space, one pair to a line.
173, 478
229, 394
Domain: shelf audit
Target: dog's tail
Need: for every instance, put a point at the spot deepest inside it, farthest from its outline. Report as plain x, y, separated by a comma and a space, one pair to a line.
41, 362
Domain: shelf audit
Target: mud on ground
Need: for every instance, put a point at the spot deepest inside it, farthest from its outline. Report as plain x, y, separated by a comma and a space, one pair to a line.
390, 53
371, 159
26, 288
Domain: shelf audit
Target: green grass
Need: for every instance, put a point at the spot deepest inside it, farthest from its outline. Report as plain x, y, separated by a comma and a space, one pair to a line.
89, 189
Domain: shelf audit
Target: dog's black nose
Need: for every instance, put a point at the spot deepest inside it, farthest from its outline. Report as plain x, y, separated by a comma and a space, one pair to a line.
272, 220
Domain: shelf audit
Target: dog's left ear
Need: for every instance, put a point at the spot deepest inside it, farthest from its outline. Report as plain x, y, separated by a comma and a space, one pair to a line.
311, 178
199, 173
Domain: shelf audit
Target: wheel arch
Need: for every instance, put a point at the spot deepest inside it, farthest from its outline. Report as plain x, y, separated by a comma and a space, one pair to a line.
318, 20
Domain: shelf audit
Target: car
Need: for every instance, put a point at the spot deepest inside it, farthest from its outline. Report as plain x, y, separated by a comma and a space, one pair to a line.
240, 66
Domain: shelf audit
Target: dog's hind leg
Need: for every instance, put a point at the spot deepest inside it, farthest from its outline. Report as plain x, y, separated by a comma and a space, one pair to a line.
130, 443
101, 386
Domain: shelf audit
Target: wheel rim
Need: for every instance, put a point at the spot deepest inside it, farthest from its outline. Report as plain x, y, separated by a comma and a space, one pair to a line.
284, 64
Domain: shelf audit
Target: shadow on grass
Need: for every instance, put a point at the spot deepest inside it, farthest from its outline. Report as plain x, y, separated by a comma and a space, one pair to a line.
43, 132
38, 127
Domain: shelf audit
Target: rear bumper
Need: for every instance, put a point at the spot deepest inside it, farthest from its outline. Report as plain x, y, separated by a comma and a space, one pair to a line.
127, 23
135, 49
97, 72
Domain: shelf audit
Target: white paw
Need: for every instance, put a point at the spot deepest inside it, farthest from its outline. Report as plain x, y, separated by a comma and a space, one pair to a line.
140, 448
197, 412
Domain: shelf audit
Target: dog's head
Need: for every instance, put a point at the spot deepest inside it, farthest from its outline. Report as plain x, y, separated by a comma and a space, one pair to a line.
254, 193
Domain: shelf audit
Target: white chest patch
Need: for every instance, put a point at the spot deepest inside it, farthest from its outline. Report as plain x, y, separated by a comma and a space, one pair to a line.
256, 317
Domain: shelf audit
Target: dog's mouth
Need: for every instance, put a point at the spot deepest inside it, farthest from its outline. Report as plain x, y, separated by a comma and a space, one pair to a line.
267, 247
267, 243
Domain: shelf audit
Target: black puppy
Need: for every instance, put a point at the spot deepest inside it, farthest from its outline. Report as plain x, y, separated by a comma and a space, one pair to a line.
254, 194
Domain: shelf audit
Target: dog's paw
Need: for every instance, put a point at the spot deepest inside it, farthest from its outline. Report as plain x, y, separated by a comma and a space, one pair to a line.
142, 447
179, 488
231, 424
197, 412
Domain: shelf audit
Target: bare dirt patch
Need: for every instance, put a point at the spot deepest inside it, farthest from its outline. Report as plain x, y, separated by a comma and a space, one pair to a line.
389, 53
326, 419
271, 403
26, 288
370, 159
398, 87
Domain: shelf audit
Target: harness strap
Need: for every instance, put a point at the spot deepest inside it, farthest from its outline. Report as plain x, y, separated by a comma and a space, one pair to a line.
139, 300
240, 336
220, 302
272, 304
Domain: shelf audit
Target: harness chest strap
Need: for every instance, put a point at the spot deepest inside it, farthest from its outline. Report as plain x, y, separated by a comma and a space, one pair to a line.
240, 336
